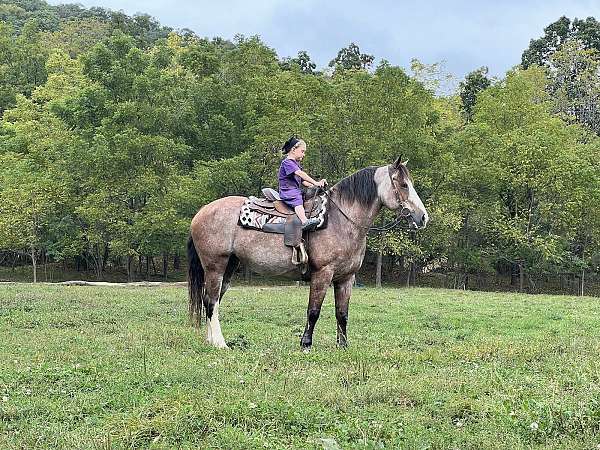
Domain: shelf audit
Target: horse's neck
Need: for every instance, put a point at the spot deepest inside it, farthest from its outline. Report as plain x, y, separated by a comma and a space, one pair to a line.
359, 217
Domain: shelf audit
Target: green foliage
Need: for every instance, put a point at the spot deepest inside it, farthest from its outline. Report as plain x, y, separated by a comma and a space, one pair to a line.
128, 128
523, 204
474, 83
574, 84
22, 62
570, 51
302, 63
351, 58
540, 51
59, 21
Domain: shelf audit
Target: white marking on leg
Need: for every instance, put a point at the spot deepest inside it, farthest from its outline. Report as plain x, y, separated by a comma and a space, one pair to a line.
209, 338
217, 336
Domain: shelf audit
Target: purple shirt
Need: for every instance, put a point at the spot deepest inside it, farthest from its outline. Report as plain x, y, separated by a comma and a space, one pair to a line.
289, 184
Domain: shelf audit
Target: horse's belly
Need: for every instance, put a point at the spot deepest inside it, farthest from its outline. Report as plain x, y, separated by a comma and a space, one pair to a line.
265, 253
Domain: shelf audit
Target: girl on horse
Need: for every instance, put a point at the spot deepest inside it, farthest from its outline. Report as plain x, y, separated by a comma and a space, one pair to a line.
291, 175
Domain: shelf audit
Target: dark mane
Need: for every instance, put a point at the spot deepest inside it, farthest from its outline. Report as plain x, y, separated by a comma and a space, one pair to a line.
359, 187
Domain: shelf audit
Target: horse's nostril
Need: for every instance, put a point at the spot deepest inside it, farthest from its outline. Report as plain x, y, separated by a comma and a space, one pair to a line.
424, 219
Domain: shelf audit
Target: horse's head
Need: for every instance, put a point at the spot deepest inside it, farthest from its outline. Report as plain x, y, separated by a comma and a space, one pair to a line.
396, 191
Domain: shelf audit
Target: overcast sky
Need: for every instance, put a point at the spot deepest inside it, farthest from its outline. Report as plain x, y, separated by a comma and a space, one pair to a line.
464, 35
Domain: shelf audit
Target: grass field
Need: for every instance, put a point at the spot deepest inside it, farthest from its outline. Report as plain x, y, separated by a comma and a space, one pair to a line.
90, 367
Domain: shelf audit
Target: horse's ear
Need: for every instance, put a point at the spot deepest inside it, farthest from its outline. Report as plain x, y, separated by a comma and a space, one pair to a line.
399, 162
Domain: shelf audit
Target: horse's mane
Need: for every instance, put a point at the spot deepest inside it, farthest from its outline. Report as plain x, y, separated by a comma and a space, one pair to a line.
359, 187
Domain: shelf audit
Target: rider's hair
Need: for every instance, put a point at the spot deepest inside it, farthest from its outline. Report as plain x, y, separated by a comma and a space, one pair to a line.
291, 144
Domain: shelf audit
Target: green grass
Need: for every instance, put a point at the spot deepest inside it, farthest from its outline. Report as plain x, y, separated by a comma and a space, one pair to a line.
88, 367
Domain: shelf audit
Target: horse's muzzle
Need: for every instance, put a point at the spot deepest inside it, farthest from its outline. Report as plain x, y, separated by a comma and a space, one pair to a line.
416, 220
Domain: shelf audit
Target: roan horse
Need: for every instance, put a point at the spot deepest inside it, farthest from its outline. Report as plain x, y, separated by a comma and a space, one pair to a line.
217, 245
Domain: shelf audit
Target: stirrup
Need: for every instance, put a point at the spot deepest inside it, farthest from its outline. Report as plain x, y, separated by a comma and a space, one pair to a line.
299, 255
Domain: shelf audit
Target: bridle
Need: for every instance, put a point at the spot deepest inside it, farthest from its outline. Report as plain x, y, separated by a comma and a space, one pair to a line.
405, 211
402, 215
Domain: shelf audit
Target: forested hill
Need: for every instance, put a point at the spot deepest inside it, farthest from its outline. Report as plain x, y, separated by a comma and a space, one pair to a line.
115, 130
52, 18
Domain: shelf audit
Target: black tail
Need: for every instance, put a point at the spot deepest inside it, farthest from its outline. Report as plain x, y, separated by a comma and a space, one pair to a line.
195, 284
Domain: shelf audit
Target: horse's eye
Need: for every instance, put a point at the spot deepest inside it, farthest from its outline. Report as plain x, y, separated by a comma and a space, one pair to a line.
404, 186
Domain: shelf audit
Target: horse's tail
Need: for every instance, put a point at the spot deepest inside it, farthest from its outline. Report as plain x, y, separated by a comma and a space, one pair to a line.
195, 284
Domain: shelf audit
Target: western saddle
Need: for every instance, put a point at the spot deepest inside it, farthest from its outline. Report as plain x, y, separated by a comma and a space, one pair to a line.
271, 215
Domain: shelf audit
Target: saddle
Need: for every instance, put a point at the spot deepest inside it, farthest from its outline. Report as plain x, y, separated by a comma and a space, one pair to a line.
271, 215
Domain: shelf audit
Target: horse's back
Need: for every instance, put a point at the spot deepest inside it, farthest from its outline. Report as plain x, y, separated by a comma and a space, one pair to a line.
214, 225
220, 207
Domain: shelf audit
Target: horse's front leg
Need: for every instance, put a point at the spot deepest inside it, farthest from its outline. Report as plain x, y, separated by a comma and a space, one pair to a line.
318, 287
342, 290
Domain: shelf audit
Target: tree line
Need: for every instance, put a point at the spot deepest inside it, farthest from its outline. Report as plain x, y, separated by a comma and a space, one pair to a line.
115, 130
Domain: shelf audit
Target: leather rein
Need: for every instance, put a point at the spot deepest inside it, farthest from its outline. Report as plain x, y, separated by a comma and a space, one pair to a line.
404, 212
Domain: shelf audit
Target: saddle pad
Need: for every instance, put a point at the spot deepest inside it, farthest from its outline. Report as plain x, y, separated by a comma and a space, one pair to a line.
251, 217
257, 219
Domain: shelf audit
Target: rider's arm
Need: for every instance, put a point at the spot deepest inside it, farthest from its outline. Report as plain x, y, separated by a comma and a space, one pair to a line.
306, 177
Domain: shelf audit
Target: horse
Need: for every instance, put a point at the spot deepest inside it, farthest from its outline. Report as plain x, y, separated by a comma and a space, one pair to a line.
217, 244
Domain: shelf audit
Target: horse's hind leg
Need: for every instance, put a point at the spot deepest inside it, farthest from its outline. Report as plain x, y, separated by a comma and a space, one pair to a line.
232, 266
213, 283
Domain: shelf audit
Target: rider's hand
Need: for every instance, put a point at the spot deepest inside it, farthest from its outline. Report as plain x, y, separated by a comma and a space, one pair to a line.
322, 183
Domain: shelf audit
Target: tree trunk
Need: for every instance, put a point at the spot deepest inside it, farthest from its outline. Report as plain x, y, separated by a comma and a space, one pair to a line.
129, 260
521, 277
513, 274
98, 262
408, 275
45, 263
153, 267
105, 257
176, 262
147, 267
34, 262
165, 265
98, 269
581, 282
378, 269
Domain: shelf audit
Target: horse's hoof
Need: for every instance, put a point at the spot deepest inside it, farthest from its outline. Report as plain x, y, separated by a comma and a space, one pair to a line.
221, 345
306, 349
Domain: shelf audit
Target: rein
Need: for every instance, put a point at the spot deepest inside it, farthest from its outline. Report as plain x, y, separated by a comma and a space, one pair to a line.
387, 227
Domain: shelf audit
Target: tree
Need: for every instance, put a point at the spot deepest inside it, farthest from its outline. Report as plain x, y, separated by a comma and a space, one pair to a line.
302, 62
557, 34
78, 36
22, 62
571, 53
37, 184
474, 83
523, 213
574, 83
540, 50
351, 58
